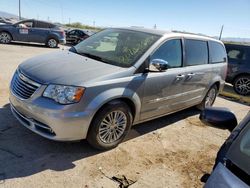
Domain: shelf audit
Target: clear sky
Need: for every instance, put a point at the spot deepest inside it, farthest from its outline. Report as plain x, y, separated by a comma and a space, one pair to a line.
199, 16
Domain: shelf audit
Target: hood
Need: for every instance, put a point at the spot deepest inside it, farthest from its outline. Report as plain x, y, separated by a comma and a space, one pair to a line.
65, 67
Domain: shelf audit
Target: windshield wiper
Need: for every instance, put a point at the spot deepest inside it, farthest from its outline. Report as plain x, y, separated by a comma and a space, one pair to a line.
95, 57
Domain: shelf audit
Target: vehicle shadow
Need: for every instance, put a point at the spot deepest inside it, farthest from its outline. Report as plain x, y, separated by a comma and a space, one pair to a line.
153, 125
30, 45
23, 153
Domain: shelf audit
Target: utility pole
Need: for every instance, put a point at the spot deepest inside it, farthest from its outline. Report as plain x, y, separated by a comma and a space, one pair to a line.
94, 23
222, 27
19, 9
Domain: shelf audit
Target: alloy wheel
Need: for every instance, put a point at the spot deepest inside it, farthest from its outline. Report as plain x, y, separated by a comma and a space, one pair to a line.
5, 38
52, 43
112, 126
210, 98
242, 85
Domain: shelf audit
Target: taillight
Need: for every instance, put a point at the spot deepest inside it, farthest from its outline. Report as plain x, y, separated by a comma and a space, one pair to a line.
62, 33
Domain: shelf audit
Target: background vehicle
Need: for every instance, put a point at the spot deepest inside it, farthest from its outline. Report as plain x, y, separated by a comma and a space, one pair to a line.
5, 21
114, 79
75, 36
239, 67
32, 31
232, 166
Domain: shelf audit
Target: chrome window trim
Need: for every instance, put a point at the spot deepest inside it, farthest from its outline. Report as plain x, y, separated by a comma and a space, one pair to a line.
26, 79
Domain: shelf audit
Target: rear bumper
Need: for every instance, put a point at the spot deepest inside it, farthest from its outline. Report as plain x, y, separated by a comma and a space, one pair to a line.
62, 41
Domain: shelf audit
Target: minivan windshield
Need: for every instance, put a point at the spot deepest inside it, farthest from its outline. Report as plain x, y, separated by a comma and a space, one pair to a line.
118, 47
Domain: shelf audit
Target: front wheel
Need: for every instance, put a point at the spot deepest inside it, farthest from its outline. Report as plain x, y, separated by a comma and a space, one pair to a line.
5, 38
209, 98
242, 85
110, 125
52, 43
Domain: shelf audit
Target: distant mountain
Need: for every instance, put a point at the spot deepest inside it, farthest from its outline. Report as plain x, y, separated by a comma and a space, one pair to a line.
239, 40
8, 15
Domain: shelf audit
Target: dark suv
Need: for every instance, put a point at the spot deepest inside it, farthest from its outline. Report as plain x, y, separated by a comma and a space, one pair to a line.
32, 31
239, 67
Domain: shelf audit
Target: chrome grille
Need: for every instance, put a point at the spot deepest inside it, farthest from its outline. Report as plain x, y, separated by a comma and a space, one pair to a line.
22, 86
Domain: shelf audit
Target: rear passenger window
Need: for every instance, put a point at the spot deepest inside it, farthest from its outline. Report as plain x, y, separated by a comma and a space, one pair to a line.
170, 51
236, 54
42, 24
217, 53
196, 52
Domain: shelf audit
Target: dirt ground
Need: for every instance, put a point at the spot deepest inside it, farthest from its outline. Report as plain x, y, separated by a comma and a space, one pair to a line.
172, 151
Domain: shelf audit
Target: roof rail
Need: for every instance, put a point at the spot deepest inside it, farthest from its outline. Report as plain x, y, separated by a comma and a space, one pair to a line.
185, 32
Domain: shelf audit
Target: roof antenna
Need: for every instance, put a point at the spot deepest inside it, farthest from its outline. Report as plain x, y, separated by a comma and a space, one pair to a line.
221, 31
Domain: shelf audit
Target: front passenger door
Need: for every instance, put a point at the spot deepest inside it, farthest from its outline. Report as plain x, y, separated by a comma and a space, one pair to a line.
163, 90
23, 30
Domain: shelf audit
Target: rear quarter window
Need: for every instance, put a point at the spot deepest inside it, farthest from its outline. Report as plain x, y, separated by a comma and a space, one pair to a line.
196, 52
45, 25
217, 52
236, 53
40, 24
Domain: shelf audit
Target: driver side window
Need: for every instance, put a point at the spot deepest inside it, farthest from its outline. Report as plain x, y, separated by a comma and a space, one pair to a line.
170, 51
27, 24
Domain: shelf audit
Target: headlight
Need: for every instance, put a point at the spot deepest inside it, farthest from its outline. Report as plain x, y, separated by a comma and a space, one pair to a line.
64, 94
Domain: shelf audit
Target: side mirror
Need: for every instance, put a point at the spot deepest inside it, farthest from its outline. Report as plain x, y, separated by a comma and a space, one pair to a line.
158, 65
219, 117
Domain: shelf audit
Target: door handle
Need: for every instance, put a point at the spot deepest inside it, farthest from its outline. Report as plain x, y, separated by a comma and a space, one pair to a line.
180, 77
191, 74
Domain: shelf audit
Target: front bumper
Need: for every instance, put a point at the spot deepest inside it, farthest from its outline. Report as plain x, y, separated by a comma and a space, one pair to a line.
49, 119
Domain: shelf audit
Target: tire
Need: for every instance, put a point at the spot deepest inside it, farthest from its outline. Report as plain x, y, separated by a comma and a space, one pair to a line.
209, 98
103, 134
52, 43
241, 85
5, 38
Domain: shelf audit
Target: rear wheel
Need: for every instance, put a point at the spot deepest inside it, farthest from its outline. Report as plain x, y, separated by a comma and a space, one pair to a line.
5, 38
209, 98
52, 43
242, 85
110, 125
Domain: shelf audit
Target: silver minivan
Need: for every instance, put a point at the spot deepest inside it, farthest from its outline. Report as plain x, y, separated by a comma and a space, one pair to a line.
116, 78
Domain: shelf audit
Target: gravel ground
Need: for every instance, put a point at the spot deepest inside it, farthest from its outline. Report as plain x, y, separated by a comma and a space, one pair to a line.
172, 151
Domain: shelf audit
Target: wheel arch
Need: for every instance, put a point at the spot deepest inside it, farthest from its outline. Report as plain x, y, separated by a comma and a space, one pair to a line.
126, 100
7, 32
240, 74
125, 95
52, 36
218, 85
